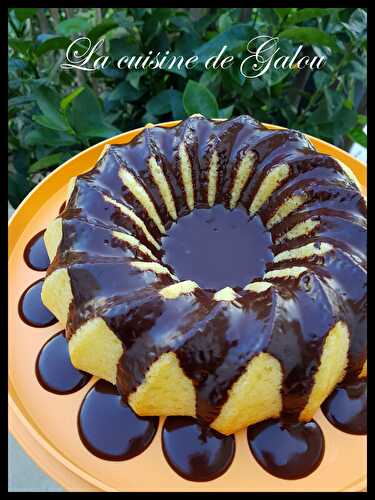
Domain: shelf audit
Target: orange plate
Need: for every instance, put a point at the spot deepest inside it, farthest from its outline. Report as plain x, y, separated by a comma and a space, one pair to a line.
45, 424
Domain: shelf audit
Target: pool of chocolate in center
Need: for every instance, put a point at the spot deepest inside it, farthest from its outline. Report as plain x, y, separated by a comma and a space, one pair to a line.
217, 247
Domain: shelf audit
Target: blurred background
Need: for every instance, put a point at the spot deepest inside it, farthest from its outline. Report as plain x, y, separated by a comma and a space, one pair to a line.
48, 106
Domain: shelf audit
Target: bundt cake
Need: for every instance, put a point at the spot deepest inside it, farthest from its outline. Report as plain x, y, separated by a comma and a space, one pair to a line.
215, 269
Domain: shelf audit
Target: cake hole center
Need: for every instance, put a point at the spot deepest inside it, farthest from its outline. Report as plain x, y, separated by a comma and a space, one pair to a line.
216, 247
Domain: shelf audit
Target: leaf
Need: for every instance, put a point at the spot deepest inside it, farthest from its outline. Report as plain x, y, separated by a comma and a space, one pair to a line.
320, 115
226, 112
116, 74
204, 22
125, 92
183, 23
148, 118
101, 130
236, 75
51, 42
344, 120
165, 102
338, 125
139, 13
224, 22
358, 70
49, 103
311, 36
100, 29
310, 13
186, 43
85, 111
162, 14
150, 29
14, 84
321, 79
322, 52
357, 22
269, 16
282, 12
335, 101
134, 77
177, 106
18, 188
125, 46
16, 64
73, 26
41, 136
359, 136
21, 161
362, 119
22, 46
123, 20
46, 122
64, 103
198, 99
46, 162
20, 100
209, 78
23, 14
234, 37
274, 76
160, 104
160, 43
177, 71
86, 116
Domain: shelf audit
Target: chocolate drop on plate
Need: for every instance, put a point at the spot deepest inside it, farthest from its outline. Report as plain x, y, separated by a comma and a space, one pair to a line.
35, 254
54, 369
109, 428
288, 451
196, 452
346, 407
31, 309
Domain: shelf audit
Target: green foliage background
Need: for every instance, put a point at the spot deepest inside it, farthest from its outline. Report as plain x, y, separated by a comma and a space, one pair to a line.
53, 113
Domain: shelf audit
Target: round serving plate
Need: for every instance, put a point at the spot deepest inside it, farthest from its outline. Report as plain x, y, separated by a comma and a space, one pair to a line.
45, 424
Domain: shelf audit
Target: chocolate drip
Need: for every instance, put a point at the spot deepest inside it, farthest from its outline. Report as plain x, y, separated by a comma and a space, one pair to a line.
306, 311
109, 428
214, 370
214, 341
93, 283
154, 326
136, 160
346, 407
287, 451
195, 452
31, 308
271, 150
35, 253
54, 369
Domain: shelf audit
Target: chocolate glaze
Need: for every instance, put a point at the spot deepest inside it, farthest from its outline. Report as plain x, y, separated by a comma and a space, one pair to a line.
287, 451
109, 428
346, 407
54, 369
213, 340
203, 245
196, 452
31, 309
35, 253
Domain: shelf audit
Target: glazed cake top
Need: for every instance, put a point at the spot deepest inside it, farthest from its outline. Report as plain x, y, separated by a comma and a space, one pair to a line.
218, 240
